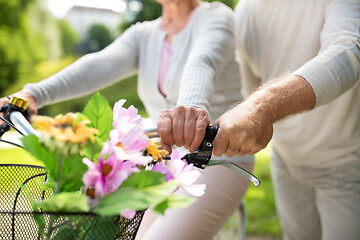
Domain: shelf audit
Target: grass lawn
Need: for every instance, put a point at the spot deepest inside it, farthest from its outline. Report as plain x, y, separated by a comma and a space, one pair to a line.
261, 218
17, 156
260, 201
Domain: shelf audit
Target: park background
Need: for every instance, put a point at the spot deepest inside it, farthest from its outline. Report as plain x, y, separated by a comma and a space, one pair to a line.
40, 37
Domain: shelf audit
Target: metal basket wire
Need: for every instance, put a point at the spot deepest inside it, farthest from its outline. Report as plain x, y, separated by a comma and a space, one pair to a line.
17, 218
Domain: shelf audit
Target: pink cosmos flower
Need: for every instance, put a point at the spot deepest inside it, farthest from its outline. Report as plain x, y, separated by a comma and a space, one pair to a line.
123, 116
129, 147
133, 140
128, 213
163, 169
106, 177
127, 139
187, 174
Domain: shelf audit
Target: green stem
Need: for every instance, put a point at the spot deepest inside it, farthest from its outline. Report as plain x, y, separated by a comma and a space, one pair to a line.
56, 190
50, 228
58, 179
88, 229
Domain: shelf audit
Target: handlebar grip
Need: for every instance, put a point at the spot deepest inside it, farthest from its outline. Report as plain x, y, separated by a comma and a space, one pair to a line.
206, 146
211, 132
21, 123
15, 115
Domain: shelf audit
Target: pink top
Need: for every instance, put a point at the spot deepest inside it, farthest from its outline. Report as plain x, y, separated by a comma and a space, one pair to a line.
164, 65
165, 61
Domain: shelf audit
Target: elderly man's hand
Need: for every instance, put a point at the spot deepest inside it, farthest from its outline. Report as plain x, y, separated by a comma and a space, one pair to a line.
248, 127
182, 126
243, 130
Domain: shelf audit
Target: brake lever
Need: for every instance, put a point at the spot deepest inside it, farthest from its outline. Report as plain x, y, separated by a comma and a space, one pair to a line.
202, 156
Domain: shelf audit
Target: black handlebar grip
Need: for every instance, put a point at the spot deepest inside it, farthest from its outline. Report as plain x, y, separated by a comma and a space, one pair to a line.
206, 146
203, 154
211, 132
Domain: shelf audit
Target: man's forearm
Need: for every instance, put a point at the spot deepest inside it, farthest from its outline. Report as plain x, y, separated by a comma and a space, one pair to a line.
289, 95
248, 127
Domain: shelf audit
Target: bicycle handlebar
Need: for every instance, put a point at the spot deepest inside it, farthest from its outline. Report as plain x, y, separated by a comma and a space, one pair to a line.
22, 123
15, 116
15, 112
202, 157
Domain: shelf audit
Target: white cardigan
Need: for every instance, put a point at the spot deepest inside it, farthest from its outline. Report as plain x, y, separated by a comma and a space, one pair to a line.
324, 48
203, 72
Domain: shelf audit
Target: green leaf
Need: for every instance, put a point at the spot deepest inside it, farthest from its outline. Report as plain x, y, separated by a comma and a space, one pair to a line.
65, 232
72, 172
122, 199
39, 218
50, 184
66, 202
99, 112
80, 117
144, 179
50, 159
173, 201
72, 166
92, 149
34, 204
103, 225
136, 199
158, 193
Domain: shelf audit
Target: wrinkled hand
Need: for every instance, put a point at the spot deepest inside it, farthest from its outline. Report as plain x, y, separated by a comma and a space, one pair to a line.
32, 107
182, 126
242, 130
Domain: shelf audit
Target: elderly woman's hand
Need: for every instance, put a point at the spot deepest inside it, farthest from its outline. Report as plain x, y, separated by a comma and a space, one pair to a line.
182, 126
32, 106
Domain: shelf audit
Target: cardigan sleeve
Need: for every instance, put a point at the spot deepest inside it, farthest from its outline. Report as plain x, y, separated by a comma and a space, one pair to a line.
92, 71
211, 51
337, 66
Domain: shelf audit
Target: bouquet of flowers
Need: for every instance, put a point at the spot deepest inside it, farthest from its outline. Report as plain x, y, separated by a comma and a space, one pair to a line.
102, 162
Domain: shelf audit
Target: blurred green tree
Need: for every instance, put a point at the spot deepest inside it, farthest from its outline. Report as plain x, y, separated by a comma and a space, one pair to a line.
150, 11
11, 12
15, 50
29, 34
68, 38
99, 36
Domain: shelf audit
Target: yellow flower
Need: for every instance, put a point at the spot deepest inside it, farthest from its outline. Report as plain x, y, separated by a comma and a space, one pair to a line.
153, 149
65, 128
